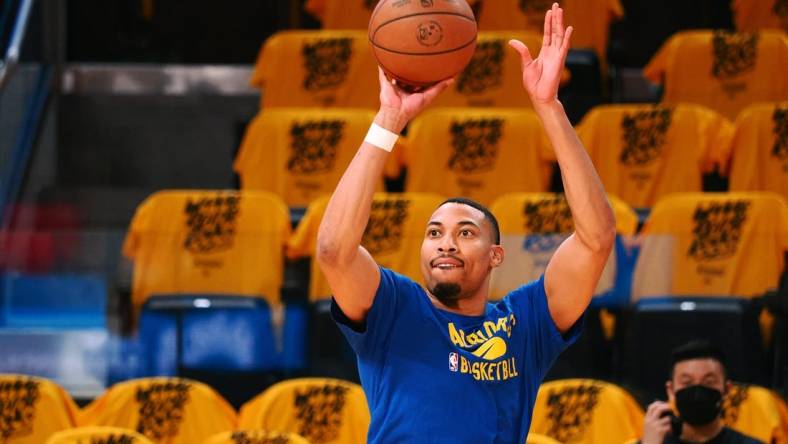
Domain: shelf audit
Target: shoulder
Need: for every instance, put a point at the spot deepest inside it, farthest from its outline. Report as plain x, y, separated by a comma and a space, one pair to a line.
526, 293
733, 437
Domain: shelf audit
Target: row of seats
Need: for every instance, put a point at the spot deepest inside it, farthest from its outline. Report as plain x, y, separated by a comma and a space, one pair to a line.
232, 242
642, 152
721, 70
328, 411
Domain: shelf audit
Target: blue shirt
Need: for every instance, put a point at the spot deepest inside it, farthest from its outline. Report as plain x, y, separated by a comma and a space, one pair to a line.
431, 376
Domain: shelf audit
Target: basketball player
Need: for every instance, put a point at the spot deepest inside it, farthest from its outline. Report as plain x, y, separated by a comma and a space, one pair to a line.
441, 364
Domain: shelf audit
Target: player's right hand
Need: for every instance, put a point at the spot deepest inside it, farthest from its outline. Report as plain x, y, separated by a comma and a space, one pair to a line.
398, 107
657, 423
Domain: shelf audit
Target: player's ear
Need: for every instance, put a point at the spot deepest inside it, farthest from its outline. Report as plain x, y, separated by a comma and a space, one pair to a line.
496, 255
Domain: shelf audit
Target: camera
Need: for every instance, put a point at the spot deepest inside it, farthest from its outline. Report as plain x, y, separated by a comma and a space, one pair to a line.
675, 423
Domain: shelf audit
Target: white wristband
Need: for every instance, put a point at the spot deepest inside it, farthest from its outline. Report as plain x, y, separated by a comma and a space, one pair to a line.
381, 137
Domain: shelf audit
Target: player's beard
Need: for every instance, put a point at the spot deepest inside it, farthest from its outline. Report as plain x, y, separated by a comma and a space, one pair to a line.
448, 293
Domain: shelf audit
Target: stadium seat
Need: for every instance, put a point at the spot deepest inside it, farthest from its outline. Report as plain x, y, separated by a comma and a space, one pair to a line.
393, 236
34, 409
722, 70
533, 225
493, 78
53, 300
322, 410
591, 19
255, 437
478, 153
109, 435
712, 244
643, 152
729, 323
208, 242
754, 411
317, 69
299, 153
586, 411
759, 152
171, 410
751, 15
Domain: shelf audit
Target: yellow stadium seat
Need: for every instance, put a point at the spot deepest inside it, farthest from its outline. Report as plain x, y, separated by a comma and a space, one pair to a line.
586, 411
165, 410
712, 244
317, 68
532, 227
494, 77
300, 154
322, 410
754, 411
354, 14
759, 152
255, 437
754, 15
643, 152
478, 153
393, 235
591, 19
98, 435
722, 70
33, 409
210, 242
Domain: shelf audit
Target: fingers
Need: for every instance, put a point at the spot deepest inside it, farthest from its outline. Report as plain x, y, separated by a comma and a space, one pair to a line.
525, 54
565, 45
548, 28
557, 26
656, 409
433, 91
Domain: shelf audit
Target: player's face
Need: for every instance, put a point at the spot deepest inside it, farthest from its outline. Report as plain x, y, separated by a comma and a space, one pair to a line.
458, 252
707, 372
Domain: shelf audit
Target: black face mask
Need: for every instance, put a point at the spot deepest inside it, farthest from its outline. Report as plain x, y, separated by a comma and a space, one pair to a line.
699, 405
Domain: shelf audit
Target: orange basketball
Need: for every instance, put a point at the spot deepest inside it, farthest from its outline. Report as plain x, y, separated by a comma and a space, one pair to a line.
421, 42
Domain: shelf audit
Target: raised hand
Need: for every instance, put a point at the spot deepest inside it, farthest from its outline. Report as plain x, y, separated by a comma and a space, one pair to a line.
399, 106
541, 76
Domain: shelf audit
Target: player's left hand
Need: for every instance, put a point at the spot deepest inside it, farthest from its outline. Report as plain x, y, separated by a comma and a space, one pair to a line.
542, 75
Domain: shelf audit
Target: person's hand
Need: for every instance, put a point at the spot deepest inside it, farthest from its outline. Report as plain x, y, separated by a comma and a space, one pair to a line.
541, 76
398, 107
656, 424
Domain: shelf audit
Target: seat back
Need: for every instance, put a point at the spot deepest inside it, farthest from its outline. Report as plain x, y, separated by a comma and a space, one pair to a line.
300, 154
729, 71
648, 349
493, 77
533, 225
586, 411
208, 242
317, 69
393, 235
643, 152
712, 244
760, 149
754, 411
478, 153
322, 410
33, 409
98, 435
171, 410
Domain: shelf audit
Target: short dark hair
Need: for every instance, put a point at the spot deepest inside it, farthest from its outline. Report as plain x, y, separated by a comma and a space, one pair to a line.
697, 349
487, 214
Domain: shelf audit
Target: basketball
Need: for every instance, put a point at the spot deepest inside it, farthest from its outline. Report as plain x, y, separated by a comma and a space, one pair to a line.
421, 42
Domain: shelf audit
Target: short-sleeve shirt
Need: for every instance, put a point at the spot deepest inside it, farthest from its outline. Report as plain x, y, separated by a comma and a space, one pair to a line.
439, 377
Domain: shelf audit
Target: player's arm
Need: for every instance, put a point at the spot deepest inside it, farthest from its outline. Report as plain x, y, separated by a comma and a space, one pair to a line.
349, 268
574, 271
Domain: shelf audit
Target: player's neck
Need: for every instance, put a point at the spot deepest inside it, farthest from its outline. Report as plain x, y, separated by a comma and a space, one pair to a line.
475, 305
701, 434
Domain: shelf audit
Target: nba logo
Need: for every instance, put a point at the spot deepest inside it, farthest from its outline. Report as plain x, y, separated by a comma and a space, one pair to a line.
454, 361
